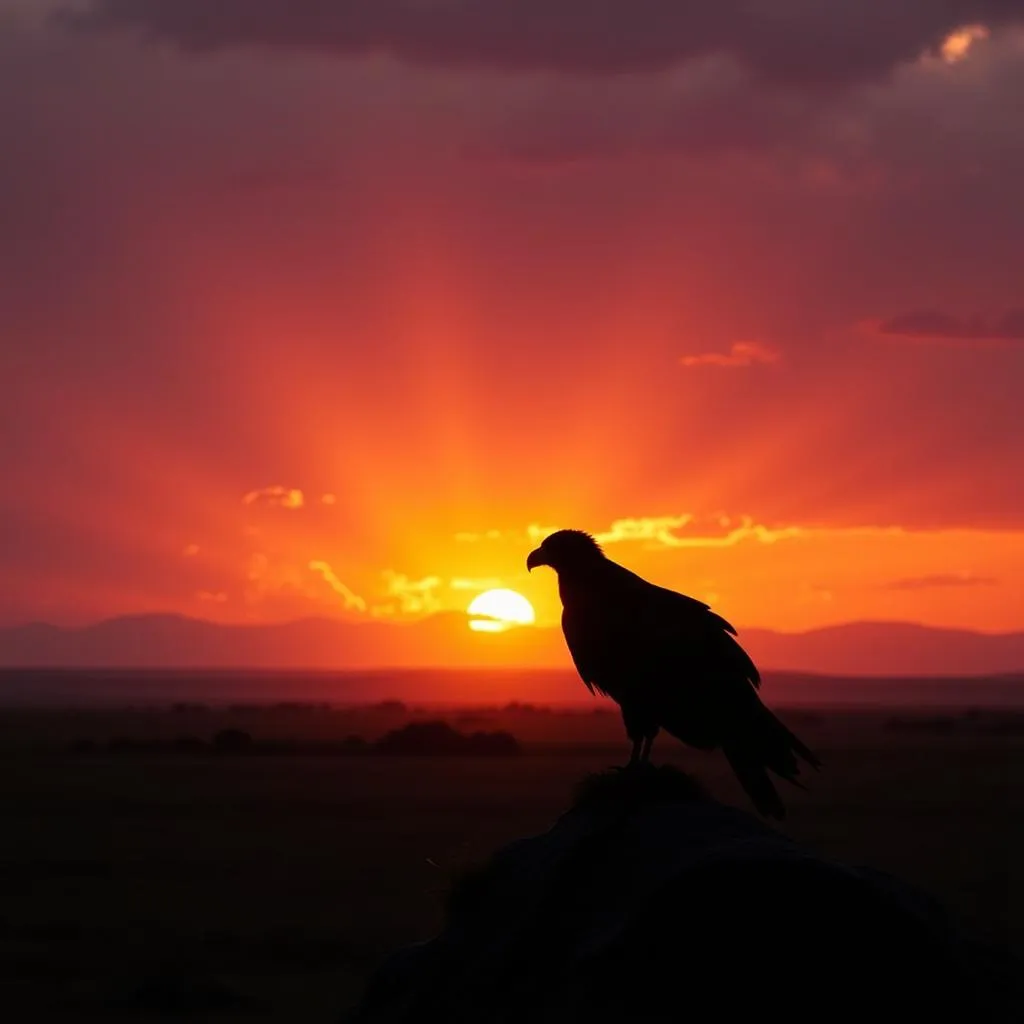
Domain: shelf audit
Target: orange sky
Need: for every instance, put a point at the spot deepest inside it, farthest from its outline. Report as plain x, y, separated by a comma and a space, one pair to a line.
758, 328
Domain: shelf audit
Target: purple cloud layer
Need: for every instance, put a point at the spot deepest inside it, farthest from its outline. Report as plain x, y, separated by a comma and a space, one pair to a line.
787, 41
934, 324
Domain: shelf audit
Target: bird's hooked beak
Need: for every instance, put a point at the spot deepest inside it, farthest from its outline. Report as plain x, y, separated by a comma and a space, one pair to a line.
535, 558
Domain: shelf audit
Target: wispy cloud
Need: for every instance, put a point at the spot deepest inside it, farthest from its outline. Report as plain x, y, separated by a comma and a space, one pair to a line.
487, 583
665, 531
468, 537
946, 579
270, 578
659, 528
740, 354
413, 597
353, 602
662, 530
937, 326
284, 497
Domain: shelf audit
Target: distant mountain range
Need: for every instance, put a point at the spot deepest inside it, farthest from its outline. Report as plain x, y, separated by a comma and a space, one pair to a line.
171, 641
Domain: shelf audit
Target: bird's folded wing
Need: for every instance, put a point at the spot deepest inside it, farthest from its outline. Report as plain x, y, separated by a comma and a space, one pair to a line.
685, 623
586, 655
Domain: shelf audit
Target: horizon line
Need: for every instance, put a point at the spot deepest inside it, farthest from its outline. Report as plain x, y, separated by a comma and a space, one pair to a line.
1008, 675
457, 613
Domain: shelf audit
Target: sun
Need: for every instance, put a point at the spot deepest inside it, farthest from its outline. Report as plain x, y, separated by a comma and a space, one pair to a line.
503, 608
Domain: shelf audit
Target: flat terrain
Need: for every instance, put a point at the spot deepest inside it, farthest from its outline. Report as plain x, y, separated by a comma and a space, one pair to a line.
136, 882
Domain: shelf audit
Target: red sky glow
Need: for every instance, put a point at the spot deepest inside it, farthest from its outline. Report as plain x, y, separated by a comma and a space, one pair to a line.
306, 313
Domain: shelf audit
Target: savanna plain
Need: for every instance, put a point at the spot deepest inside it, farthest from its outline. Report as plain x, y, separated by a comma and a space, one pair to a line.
216, 863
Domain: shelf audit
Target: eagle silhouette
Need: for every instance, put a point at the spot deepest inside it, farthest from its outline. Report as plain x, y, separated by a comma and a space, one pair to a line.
670, 663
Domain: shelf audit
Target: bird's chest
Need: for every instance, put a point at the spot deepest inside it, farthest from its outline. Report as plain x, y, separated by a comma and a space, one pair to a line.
600, 634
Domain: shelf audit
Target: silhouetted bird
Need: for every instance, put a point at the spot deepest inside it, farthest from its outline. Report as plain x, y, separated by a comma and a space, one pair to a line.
670, 663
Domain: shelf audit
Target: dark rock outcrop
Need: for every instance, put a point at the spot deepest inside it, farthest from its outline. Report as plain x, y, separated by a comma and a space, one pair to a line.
649, 902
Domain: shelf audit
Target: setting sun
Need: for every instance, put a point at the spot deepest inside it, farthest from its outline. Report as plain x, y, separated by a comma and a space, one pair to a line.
503, 608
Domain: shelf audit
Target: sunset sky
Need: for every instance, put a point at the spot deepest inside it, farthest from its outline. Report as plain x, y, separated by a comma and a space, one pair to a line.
337, 309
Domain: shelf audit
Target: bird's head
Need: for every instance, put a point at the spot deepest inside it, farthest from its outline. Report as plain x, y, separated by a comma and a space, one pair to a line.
567, 551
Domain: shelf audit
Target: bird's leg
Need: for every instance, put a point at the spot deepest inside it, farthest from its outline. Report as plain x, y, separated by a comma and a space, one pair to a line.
645, 751
634, 757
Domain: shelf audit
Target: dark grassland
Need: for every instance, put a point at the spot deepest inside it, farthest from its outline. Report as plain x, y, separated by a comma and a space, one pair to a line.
174, 882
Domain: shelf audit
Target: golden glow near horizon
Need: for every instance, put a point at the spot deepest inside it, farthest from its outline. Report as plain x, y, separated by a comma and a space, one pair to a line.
278, 564
503, 608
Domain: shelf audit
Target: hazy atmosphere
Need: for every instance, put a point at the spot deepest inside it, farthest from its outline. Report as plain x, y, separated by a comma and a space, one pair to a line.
336, 311
511, 510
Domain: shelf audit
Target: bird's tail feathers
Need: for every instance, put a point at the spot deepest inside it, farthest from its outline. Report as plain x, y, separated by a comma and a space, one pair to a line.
781, 748
753, 777
767, 745
801, 748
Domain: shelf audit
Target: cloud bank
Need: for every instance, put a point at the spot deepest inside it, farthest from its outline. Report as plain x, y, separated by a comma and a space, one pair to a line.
935, 325
789, 42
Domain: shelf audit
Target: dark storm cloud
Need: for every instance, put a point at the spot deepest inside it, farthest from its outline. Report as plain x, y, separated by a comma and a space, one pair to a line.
800, 42
933, 324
